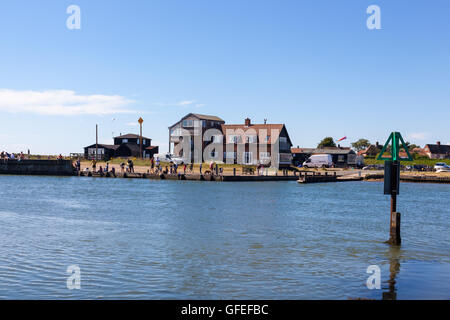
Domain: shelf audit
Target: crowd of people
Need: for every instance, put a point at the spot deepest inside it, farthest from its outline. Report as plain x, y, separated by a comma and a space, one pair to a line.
155, 167
5, 156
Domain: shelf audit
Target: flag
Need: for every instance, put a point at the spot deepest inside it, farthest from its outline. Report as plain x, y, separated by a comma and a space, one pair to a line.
342, 138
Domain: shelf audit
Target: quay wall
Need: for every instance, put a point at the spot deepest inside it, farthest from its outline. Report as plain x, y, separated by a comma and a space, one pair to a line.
37, 167
192, 177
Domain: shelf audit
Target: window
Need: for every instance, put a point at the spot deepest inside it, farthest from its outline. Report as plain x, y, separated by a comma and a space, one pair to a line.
203, 123
283, 143
92, 151
340, 158
230, 155
188, 123
248, 157
264, 155
267, 139
124, 140
252, 139
144, 141
234, 139
137, 141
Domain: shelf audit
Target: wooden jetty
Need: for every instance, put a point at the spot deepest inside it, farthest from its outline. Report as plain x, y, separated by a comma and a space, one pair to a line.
190, 176
317, 177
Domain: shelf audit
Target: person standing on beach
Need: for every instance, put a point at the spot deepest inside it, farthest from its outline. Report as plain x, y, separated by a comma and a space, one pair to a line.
152, 164
122, 167
78, 165
184, 168
130, 166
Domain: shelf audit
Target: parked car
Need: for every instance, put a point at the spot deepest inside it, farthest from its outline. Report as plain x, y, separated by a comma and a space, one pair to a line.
169, 158
441, 166
319, 161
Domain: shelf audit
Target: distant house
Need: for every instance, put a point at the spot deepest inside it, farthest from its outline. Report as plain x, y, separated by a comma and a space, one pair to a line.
371, 151
126, 150
265, 136
149, 152
127, 145
132, 139
300, 155
437, 151
104, 151
196, 124
342, 156
235, 137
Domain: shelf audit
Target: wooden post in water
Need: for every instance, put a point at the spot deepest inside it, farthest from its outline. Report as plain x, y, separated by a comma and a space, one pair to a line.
394, 236
394, 230
392, 181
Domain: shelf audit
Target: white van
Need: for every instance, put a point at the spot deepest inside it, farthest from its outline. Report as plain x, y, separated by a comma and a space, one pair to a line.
168, 158
318, 161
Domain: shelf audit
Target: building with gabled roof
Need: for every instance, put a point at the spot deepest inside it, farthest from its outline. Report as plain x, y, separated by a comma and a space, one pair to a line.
127, 145
437, 151
234, 137
196, 125
272, 140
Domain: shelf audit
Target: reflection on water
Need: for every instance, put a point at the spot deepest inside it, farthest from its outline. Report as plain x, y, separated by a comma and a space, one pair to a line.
394, 269
141, 239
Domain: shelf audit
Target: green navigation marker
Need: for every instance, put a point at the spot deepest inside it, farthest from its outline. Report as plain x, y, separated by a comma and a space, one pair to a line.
395, 138
392, 181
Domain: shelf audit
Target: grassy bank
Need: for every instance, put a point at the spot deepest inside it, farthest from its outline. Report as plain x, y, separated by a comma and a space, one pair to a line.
427, 162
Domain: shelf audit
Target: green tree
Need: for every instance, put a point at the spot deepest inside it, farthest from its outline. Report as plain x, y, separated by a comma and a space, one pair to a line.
326, 142
411, 145
361, 144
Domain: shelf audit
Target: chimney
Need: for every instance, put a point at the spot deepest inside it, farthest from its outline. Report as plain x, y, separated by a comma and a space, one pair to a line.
265, 121
247, 122
438, 143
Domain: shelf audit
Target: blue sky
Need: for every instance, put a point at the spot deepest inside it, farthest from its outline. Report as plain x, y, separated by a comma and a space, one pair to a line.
313, 65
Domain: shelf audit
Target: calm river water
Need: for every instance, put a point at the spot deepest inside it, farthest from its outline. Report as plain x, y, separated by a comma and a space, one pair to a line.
143, 239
